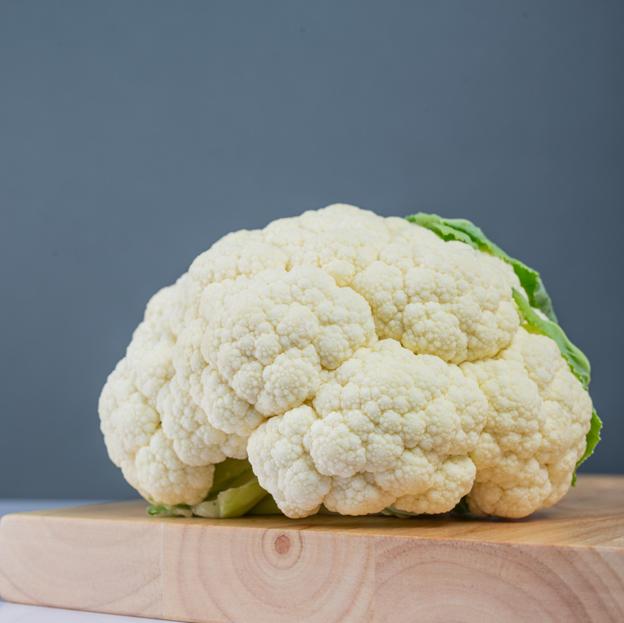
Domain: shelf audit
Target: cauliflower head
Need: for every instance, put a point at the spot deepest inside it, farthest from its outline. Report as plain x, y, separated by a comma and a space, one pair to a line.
347, 361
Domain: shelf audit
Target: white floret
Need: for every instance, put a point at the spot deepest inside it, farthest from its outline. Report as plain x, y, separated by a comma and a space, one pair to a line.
269, 337
146, 407
283, 464
195, 440
161, 476
537, 419
440, 298
435, 297
386, 428
127, 419
241, 253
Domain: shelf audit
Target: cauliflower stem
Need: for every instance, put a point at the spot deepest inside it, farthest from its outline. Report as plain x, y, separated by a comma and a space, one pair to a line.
235, 492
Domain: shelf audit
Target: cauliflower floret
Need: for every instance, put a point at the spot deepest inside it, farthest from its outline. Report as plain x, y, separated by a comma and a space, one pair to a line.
386, 428
160, 475
186, 425
341, 239
127, 419
237, 255
242, 253
154, 431
435, 297
283, 465
149, 352
440, 298
127, 405
270, 336
537, 418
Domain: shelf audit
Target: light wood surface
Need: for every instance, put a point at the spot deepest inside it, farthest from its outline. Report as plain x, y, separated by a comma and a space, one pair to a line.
563, 564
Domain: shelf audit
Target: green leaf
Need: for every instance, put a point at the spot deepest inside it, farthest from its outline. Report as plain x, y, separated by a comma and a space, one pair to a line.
390, 511
578, 362
593, 438
533, 322
464, 231
162, 510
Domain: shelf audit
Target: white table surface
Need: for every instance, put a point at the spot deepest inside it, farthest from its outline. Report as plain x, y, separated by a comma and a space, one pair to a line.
15, 613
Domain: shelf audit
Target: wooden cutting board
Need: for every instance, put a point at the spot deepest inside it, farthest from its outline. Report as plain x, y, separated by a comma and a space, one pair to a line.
564, 564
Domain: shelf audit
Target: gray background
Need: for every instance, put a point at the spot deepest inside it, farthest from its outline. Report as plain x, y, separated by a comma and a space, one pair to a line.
135, 134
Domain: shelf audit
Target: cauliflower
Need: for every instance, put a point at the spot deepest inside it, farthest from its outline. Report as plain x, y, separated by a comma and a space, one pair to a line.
360, 364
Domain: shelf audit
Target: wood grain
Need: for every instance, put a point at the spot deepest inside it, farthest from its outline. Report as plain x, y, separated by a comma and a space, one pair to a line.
563, 564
